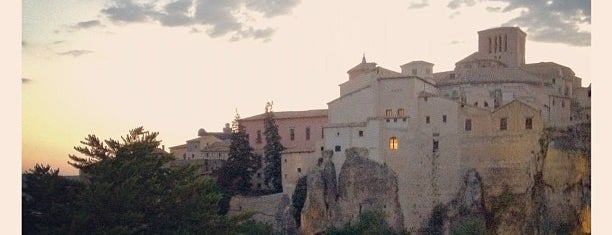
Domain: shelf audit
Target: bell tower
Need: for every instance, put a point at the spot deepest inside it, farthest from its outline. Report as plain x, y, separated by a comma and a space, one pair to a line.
504, 44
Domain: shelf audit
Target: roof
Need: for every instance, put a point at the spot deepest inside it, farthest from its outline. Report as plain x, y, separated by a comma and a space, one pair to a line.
290, 114
487, 75
179, 146
417, 62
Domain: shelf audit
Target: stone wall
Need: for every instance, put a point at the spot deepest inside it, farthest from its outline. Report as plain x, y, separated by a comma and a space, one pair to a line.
272, 209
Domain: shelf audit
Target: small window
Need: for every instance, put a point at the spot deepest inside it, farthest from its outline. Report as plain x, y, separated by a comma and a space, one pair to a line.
554, 81
589, 93
388, 112
307, 133
292, 134
414, 72
562, 103
258, 139
444, 118
360, 133
388, 120
259, 185
468, 124
427, 119
503, 124
428, 71
435, 146
452, 76
486, 104
338, 148
476, 103
219, 154
299, 170
258, 175
285, 160
400, 112
528, 123
554, 101
393, 143
322, 133
322, 148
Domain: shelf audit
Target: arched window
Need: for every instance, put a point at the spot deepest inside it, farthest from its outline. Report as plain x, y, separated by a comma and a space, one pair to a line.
393, 143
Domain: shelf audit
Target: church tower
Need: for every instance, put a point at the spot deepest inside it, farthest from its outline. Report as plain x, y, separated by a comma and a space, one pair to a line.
504, 44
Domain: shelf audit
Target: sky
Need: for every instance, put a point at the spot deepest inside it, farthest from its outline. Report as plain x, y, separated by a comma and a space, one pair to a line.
104, 67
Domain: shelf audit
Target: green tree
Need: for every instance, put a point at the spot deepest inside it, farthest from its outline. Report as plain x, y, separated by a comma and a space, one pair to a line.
235, 175
370, 223
272, 152
299, 198
48, 201
130, 190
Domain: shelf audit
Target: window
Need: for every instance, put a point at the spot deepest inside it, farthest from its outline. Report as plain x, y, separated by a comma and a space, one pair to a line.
553, 102
360, 133
414, 72
486, 104
589, 93
468, 124
400, 112
503, 124
388, 112
554, 80
219, 154
427, 119
322, 133
444, 118
562, 103
393, 143
292, 134
338, 148
307, 133
435, 146
259, 175
528, 123
299, 170
259, 185
322, 148
258, 139
452, 76
428, 71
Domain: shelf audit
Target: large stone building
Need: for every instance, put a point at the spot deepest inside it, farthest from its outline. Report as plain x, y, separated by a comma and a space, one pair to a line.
301, 134
209, 151
431, 128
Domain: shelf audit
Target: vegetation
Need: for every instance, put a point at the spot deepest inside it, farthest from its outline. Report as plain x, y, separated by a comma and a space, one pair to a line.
370, 223
435, 225
272, 152
235, 175
128, 190
298, 199
470, 225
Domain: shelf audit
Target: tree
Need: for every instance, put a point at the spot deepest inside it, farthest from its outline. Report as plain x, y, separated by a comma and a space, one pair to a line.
131, 190
272, 152
235, 175
47, 201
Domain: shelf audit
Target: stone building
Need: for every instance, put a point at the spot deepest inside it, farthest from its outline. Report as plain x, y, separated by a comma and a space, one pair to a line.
431, 128
301, 134
208, 150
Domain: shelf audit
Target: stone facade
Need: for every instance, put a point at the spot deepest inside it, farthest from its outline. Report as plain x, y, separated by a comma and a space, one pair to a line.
209, 151
432, 128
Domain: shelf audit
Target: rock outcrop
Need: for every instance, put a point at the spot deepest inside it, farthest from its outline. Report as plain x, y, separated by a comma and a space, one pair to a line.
362, 185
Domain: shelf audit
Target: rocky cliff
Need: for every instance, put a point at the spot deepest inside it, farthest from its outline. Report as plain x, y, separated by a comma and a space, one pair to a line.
362, 185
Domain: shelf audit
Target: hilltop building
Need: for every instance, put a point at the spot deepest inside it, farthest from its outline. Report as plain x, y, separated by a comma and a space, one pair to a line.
208, 150
431, 127
301, 134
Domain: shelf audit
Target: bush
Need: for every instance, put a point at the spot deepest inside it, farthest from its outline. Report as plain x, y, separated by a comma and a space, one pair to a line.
370, 223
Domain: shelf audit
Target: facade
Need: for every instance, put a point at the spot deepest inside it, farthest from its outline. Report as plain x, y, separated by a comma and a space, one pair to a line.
208, 150
432, 128
301, 134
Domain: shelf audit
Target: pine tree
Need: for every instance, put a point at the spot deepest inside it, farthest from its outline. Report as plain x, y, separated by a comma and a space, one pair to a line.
272, 152
235, 175
131, 190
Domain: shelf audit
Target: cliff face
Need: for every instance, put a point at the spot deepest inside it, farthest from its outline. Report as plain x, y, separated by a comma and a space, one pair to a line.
547, 191
362, 185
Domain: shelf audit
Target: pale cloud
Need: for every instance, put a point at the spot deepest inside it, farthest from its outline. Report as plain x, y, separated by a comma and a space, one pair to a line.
556, 21
88, 24
418, 5
25, 80
75, 53
220, 17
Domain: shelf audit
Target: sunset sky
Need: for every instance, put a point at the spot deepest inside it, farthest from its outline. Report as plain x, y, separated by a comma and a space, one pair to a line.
104, 67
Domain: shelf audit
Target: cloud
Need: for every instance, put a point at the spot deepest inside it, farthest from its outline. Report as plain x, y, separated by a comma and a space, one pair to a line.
556, 21
88, 24
494, 9
58, 42
75, 53
24, 44
418, 5
455, 42
219, 17
25, 80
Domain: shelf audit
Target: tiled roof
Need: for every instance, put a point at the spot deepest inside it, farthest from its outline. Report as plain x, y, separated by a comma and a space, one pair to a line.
290, 114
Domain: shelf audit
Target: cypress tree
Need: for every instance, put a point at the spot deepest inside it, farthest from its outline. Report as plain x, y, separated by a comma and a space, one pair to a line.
272, 152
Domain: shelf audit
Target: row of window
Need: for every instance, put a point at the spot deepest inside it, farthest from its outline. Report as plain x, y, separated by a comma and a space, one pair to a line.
389, 113
207, 155
258, 139
495, 44
503, 124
